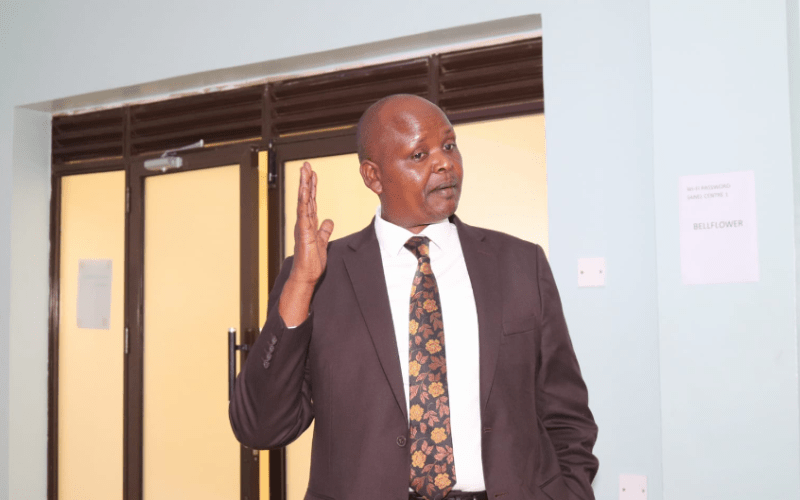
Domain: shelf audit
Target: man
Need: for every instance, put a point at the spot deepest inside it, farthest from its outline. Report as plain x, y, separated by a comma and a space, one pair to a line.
498, 409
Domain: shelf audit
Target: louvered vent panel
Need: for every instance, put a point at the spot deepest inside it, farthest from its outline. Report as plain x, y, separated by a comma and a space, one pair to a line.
214, 117
89, 136
491, 76
337, 100
472, 84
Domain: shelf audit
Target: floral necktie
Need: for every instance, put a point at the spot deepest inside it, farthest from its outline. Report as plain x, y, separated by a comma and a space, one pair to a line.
433, 472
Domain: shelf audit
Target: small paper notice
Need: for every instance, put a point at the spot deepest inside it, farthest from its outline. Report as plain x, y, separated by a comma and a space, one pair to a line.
719, 238
94, 294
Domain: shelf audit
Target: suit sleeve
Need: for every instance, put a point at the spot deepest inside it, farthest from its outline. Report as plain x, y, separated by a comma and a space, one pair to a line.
271, 404
562, 400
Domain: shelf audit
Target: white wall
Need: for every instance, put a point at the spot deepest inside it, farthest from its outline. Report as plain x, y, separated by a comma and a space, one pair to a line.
5, 259
29, 313
793, 28
728, 352
6, 190
600, 184
627, 112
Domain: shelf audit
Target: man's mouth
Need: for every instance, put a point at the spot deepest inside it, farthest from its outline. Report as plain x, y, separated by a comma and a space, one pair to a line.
445, 186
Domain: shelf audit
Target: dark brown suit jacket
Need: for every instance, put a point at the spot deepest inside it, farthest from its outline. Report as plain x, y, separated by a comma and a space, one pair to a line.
341, 367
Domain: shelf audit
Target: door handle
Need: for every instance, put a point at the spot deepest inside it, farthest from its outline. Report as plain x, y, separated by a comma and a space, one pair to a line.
232, 348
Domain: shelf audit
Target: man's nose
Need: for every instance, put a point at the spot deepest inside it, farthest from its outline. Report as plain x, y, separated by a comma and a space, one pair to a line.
441, 162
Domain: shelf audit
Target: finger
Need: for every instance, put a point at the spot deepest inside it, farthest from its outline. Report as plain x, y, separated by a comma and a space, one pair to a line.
303, 188
325, 231
313, 198
304, 191
313, 185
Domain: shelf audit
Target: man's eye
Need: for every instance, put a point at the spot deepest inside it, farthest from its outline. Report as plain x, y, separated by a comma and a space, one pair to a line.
450, 146
418, 156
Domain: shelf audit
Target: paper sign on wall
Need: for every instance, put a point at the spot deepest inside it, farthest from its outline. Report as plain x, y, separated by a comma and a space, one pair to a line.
719, 238
94, 294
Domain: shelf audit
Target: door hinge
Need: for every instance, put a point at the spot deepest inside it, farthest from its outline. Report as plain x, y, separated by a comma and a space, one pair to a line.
272, 166
127, 200
126, 340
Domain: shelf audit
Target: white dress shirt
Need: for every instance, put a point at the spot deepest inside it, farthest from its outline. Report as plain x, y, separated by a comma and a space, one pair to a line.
460, 319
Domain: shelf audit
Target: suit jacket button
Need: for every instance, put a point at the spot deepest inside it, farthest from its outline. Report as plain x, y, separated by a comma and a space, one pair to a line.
401, 441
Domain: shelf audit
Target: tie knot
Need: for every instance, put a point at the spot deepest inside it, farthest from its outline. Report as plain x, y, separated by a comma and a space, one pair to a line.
418, 245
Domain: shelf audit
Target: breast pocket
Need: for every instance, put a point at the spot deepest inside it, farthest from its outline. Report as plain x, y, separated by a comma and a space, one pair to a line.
516, 326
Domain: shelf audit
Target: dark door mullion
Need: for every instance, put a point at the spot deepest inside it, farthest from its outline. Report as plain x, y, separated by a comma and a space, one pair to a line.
275, 222
134, 364
249, 282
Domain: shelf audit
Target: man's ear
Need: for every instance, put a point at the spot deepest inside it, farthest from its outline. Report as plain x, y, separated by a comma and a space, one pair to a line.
372, 176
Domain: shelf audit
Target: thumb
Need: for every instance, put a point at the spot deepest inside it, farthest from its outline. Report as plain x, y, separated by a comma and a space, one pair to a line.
325, 230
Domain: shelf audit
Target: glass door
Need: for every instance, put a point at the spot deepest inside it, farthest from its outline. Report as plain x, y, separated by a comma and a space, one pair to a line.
197, 277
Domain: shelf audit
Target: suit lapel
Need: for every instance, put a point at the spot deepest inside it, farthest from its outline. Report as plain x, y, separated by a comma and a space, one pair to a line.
365, 268
483, 274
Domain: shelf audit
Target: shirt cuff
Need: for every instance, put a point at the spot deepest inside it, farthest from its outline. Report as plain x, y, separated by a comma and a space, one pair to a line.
296, 326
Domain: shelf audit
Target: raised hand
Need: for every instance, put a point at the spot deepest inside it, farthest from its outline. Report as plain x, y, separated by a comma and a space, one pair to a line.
310, 251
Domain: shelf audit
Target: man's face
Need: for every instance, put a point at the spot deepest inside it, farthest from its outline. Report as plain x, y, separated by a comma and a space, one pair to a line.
419, 164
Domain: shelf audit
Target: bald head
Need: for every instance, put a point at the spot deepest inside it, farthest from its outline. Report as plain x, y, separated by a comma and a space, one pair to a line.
380, 116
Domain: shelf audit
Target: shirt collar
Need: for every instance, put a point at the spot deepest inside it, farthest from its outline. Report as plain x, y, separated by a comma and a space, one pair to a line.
392, 238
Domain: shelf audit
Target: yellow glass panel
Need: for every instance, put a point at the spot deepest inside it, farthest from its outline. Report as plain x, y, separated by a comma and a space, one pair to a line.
263, 288
191, 298
90, 378
505, 188
505, 176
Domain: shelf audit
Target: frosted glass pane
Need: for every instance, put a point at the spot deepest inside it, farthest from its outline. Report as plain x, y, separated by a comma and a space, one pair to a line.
90, 377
